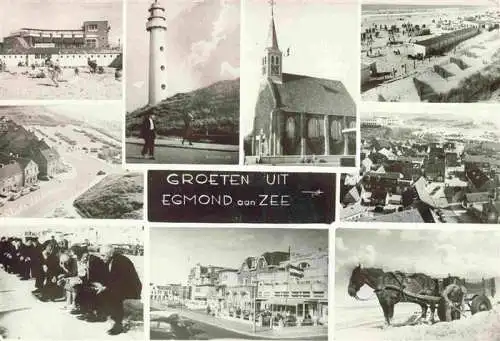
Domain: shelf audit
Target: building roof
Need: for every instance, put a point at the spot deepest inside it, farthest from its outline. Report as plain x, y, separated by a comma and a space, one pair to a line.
10, 169
57, 50
276, 257
424, 196
249, 261
49, 154
272, 39
477, 197
477, 177
352, 196
407, 216
351, 210
476, 159
23, 162
442, 37
387, 175
305, 94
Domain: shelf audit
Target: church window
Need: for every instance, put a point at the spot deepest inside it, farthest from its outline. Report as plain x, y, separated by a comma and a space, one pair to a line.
336, 130
277, 60
272, 60
315, 128
162, 68
163, 86
161, 48
290, 128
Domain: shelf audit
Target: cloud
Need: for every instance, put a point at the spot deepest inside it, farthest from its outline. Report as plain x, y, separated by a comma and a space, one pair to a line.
228, 71
203, 49
339, 244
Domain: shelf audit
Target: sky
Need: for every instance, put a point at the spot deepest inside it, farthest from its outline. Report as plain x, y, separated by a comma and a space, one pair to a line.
465, 113
202, 45
431, 2
467, 253
315, 31
174, 251
60, 14
107, 232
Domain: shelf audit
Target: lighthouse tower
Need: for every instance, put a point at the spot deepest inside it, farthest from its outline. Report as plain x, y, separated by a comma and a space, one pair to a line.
157, 27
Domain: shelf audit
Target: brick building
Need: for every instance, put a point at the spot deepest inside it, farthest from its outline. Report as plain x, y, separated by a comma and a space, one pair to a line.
298, 116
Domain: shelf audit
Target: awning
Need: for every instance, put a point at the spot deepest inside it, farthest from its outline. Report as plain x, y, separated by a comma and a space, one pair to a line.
285, 301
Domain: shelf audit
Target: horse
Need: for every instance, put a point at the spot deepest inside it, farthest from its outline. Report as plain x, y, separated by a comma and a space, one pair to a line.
388, 287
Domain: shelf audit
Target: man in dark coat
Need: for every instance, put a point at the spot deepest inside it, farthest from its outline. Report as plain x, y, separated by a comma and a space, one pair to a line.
123, 283
148, 133
188, 130
94, 271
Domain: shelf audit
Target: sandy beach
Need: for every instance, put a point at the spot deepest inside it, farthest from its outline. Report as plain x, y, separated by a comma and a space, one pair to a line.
16, 84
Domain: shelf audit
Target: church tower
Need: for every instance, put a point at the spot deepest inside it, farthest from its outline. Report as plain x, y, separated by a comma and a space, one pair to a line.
272, 61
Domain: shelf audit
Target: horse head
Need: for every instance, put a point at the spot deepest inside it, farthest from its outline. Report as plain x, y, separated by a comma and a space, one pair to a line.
355, 282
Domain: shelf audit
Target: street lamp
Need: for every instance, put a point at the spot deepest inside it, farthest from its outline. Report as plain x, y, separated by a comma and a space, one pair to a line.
255, 307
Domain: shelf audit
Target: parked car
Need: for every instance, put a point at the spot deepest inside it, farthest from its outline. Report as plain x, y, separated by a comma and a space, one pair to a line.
25, 191
44, 178
34, 187
15, 195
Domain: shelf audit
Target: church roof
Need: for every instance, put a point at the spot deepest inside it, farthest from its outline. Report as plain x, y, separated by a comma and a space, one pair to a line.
299, 93
272, 39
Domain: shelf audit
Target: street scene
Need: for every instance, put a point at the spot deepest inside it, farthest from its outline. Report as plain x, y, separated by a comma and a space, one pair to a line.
55, 158
193, 118
61, 50
76, 282
438, 51
267, 284
437, 167
425, 285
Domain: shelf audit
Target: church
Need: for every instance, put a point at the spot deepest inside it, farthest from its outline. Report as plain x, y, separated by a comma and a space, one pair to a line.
300, 119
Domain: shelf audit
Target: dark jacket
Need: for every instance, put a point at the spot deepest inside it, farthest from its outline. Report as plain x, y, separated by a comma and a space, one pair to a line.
146, 128
97, 270
123, 280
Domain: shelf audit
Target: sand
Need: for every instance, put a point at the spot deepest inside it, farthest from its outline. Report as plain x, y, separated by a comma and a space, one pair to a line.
14, 85
477, 53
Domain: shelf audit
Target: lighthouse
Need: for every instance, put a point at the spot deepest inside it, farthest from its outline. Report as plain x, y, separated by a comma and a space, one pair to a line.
157, 27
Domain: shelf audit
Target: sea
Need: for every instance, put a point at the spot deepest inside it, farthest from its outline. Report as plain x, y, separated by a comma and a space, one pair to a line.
387, 9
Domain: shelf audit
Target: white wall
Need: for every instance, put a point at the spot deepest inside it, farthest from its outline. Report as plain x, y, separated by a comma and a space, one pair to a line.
65, 60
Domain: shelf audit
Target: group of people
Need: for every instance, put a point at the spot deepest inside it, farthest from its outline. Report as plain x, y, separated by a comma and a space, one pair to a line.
93, 285
148, 133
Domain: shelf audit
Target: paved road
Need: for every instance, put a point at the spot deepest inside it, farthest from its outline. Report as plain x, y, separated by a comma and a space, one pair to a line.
24, 317
208, 327
202, 331
181, 155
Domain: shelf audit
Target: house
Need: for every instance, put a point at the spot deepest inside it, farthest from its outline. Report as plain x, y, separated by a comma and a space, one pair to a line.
47, 160
388, 182
407, 216
298, 117
11, 178
30, 168
478, 180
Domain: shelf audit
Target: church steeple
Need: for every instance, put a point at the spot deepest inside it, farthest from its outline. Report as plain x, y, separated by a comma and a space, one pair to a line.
272, 61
